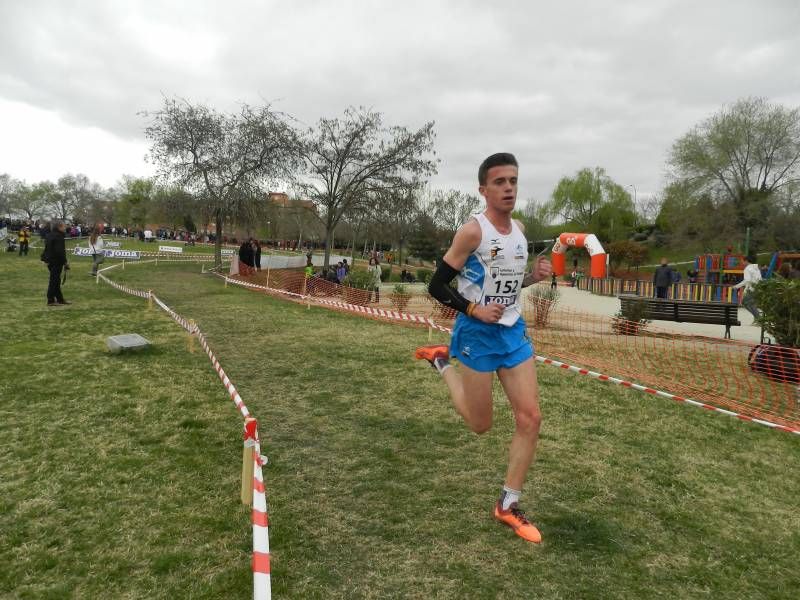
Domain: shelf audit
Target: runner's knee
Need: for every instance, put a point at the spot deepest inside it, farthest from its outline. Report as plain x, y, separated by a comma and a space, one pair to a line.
528, 420
481, 425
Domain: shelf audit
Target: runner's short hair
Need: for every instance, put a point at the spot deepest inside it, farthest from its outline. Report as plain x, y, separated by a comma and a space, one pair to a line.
495, 160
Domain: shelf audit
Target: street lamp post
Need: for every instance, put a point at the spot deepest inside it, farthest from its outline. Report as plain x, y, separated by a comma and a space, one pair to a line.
630, 185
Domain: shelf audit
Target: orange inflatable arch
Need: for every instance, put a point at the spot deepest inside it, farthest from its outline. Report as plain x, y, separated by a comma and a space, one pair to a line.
579, 240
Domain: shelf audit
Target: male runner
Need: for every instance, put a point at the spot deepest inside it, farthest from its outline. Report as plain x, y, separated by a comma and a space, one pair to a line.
489, 256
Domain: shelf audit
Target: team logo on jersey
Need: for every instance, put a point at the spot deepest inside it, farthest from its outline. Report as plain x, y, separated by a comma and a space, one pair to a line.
519, 251
495, 250
495, 272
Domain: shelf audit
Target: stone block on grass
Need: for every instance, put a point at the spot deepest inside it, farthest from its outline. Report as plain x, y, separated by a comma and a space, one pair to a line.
126, 342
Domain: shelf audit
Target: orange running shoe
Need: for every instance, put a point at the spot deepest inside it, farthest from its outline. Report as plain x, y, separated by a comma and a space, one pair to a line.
516, 519
431, 353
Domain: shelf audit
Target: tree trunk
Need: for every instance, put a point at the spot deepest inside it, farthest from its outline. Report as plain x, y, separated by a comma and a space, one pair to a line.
218, 243
328, 240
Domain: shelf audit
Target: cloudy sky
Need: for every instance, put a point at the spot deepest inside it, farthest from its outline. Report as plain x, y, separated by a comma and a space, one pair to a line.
562, 84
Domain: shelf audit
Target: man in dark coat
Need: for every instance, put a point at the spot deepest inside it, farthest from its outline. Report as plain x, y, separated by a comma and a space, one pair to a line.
246, 253
55, 255
662, 279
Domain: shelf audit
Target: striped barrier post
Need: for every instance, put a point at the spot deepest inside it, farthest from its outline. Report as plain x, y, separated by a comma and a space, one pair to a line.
262, 579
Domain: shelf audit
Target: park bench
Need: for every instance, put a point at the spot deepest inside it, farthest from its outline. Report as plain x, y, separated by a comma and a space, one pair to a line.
684, 311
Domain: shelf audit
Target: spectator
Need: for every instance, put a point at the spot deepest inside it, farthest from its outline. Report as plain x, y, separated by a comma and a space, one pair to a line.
96, 244
309, 270
692, 274
346, 266
341, 272
24, 240
257, 254
662, 279
750, 277
55, 255
246, 258
375, 269
788, 272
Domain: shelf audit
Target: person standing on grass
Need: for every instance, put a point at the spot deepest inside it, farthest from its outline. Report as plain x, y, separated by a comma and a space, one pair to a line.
96, 244
489, 257
751, 276
662, 278
375, 269
24, 240
257, 255
55, 255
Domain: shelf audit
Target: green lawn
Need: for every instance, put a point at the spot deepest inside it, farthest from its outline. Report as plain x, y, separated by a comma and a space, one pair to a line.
119, 475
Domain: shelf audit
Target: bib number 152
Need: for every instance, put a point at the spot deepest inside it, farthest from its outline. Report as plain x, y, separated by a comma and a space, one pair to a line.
507, 286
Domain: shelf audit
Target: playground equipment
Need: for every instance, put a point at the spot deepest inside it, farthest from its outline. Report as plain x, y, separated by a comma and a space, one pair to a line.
589, 241
779, 258
719, 268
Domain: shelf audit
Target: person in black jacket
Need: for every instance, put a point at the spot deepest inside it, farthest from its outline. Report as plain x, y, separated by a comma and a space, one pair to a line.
257, 255
662, 279
55, 255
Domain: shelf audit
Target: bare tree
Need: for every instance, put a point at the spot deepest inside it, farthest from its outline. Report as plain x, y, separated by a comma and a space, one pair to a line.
8, 187
227, 157
452, 208
72, 194
348, 158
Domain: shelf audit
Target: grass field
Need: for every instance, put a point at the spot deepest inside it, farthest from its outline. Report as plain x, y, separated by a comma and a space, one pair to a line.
119, 475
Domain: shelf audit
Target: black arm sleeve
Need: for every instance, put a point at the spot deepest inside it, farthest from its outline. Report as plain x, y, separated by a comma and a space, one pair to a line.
439, 288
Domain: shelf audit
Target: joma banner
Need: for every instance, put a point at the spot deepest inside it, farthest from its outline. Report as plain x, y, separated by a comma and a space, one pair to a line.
127, 254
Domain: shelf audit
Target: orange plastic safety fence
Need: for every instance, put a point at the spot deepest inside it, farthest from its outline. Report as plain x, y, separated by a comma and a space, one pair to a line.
755, 380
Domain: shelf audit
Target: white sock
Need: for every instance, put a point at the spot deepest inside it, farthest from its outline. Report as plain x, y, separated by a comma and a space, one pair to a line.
508, 497
441, 364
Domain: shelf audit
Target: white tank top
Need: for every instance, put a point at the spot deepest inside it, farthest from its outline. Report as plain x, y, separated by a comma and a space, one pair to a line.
494, 272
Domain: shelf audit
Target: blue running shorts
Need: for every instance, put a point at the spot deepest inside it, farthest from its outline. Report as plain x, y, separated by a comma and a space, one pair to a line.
486, 347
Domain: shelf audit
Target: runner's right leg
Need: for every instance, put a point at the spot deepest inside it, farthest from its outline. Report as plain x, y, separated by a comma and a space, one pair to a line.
470, 390
471, 395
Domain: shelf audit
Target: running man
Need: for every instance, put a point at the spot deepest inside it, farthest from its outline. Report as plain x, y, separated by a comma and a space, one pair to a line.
489, 257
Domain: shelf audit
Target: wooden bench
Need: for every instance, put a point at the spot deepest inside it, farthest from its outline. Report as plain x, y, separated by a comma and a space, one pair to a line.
685, 311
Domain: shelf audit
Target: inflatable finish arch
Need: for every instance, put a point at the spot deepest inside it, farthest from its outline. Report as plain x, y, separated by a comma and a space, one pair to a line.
579, 240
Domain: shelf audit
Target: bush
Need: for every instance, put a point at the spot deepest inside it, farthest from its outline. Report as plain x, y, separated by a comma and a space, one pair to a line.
632, 320
542, 299
362, 280
400, 297
386, 272
424, 275
779, 302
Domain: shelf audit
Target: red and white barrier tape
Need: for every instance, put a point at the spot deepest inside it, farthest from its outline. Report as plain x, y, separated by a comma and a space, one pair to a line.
544, 360
262, 582
654, 392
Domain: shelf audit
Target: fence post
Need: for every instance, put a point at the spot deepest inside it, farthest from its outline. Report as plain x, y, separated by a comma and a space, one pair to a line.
123, 264
226, 281
248, 460
150, 299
